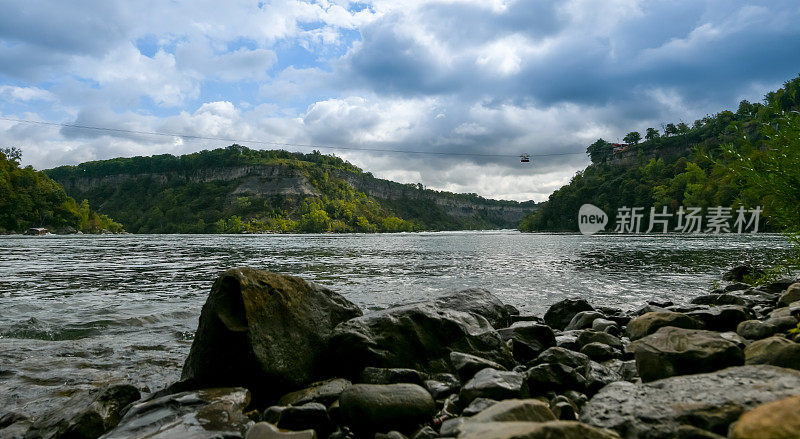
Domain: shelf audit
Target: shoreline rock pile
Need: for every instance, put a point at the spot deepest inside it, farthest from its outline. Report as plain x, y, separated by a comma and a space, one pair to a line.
278, 357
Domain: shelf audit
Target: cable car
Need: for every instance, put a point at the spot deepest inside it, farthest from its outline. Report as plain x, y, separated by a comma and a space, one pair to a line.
525, 158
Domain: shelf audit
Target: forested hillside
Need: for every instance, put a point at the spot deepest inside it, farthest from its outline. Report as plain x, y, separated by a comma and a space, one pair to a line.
750, 157
237, 189
32, 199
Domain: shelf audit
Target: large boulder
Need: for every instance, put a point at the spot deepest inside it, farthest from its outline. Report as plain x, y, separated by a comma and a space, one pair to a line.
467, 365
755, 329
532, 430
370, 408
420, 336
86, 415
677, 351
584, 320
707, 401
201, 414
264, 331
528, 339
477, 301
561, 313
651, 322
721, 318
776, 351
777, 420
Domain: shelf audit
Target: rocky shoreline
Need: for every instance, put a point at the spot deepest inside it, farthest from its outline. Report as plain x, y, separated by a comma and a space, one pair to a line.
275, 356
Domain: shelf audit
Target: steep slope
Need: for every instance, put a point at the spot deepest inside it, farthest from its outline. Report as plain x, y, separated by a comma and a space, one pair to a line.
699, 166
237, 189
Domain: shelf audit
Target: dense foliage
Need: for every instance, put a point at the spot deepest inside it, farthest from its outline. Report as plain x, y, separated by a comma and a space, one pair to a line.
32, 199
168, 194
748, 158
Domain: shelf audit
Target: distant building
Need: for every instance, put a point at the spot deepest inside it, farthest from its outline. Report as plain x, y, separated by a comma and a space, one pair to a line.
619, 147
37, 231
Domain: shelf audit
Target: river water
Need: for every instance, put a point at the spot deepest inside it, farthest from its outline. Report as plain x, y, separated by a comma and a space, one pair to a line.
81, 311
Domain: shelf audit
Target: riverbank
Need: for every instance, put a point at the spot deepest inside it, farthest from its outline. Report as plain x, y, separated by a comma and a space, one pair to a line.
280, 352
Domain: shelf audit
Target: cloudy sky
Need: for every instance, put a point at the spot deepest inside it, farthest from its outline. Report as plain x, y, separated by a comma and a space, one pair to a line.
477, 77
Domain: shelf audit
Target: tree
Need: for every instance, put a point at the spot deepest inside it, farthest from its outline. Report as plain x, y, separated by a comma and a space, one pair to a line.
651, 134
670, 130
13, 153
599, 151
633, 137
682, 128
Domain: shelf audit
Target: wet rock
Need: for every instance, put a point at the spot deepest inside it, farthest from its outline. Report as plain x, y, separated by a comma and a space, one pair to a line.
14, 425
381, 408
721, 318
721, 299
584, 320
779, 286
467, 365
477, 301
88, 414
533, 430
778, 419
561, 313
528, 339
603, 325
791, 295
310, 416
263, 430
324, 392
554, 377
390, 435
201, 414
708, 401
525, 410
591, 336
494, 384
755, 329
738, 273
426, 432
598, 376
563, 356
526, 318
450, 427
568, 341
599, 351
626, 369
388, 375
264, 331
776, 351
782, 324
442, 384
419, 336
677, 351
651, 322
478, 405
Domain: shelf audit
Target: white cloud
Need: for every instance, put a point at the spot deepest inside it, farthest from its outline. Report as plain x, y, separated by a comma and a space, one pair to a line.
25, 94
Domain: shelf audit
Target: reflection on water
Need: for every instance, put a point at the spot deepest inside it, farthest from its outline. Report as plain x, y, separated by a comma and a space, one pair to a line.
77, 311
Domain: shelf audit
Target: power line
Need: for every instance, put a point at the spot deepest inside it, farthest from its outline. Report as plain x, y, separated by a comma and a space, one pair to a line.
279, 144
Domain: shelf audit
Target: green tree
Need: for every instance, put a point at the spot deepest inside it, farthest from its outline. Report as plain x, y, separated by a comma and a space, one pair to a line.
599, 151
633, 137
651, 134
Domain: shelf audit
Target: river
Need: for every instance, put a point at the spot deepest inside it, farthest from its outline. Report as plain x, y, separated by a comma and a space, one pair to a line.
80, 311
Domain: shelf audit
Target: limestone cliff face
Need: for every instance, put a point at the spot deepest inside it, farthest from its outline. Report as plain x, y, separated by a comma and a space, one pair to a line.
278, 179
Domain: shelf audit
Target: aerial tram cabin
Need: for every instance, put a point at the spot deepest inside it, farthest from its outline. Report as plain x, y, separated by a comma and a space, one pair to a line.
525, 158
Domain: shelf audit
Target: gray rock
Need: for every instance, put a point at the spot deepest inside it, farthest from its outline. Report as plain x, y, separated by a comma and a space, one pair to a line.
755, 329
598, 376
677, 351
467, 365
561, 313
709, 401
554, 377
388, 375
782, 324
264, 331
14, 425
791, 295
494, 384
722, 299
591, 336
568, 341
450, 426
201, 414
721, 318
524, 410
477, 301
379, 408
528, 339
583, 320
776, 351
738, 273
390, 435
533, 430
419, 336
603, 324
263, 430
442, 385
563, 356
478, 405
88, 414
426, 432
324, 392
599, 351
651, 322
310, 416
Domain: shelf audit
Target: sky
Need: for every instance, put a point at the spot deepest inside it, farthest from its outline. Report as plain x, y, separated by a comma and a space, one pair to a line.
492, 78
